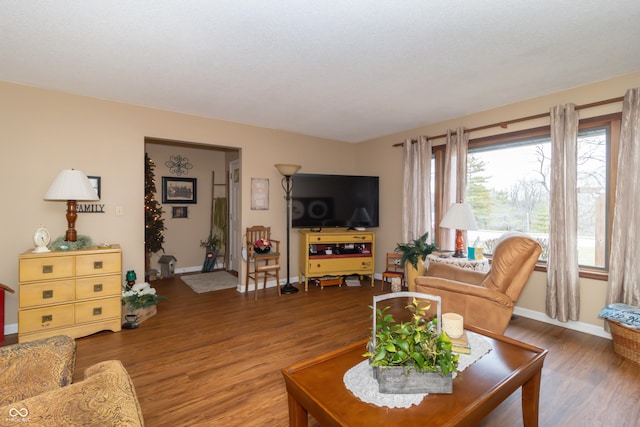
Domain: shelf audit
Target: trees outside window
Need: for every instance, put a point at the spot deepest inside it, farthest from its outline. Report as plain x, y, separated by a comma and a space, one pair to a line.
508, 189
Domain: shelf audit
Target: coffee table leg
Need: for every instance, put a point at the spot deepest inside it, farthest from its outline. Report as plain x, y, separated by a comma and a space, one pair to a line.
297, 414
531, 400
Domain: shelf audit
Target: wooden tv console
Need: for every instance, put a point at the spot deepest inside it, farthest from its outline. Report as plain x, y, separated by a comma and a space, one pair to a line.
336, 252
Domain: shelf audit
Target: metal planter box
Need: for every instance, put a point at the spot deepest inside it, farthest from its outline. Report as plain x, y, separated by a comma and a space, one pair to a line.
403, 380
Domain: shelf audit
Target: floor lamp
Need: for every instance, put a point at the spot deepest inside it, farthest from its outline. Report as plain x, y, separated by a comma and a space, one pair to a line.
287, 172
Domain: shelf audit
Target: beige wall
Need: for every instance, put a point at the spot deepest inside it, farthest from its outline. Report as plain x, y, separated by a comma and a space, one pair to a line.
384, 160
45, 131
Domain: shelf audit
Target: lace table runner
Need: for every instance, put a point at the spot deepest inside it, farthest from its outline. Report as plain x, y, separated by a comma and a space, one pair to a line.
359, 379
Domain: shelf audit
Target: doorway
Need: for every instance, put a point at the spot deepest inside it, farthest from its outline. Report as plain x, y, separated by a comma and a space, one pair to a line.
234, 216
189, 222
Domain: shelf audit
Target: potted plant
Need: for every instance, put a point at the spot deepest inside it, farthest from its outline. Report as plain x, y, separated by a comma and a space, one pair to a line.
140, 301
411, 357
414, 254
211, 243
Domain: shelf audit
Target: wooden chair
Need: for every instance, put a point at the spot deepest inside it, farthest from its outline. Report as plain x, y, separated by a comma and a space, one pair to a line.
264, 265
392, 269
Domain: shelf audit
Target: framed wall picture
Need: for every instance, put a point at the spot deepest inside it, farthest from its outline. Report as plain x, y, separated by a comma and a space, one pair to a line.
179, 190
95, 183
180, 212
259, 194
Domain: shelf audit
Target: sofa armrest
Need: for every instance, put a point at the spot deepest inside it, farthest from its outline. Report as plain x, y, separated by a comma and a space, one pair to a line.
458, 274
34, 367
424, 283
106, 397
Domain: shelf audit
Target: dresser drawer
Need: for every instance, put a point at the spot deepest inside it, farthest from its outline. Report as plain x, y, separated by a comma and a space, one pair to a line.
41, 319
340, 238
334, 266
99, 309
43, 268
98, 264
98, 286
43, 293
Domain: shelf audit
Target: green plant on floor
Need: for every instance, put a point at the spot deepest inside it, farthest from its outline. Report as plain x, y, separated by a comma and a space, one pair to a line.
415, 344
141, 295
211, 243
415, 250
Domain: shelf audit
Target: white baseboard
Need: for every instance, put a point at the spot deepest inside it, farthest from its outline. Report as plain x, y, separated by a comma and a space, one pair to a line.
270, 284
11, 329
194, 269
587, 328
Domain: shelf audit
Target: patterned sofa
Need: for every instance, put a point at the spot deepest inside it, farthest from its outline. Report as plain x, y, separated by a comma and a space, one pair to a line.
36, 388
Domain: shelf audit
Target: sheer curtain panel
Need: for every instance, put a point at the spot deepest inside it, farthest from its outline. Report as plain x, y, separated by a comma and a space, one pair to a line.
624, 268
416, 194
563, 293
455, 180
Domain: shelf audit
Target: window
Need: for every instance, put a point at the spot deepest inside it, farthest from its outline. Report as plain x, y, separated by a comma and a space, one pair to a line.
508, 187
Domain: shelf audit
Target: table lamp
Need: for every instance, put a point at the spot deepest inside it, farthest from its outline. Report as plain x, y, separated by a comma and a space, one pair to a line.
459, 217
359, 219
71, 185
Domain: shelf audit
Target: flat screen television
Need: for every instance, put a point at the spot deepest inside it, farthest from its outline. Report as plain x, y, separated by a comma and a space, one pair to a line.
323, 201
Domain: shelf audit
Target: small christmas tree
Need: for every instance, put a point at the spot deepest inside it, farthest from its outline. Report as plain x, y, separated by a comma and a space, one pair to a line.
154, 224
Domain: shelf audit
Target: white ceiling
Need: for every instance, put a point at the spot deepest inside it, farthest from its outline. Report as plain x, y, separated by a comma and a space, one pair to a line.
339, 69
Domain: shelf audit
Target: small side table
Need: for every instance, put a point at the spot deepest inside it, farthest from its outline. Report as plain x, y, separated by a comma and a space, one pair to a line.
481, 265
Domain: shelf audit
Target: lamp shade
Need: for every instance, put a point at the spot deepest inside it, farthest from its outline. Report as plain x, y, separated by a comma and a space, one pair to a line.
287, 170
360, 217
459, 217
71, 184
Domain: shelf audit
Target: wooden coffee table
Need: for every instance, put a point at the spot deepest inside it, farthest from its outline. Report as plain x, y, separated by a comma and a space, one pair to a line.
316, 386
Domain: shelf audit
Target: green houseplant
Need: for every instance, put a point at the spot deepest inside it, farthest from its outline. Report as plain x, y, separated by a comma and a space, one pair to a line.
413, 252
411, 357
211, 243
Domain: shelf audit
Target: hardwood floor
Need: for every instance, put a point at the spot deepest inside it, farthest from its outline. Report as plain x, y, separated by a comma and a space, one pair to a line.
214, 359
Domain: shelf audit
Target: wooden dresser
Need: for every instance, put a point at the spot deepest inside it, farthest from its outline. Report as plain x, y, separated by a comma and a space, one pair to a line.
335, 252
76, 293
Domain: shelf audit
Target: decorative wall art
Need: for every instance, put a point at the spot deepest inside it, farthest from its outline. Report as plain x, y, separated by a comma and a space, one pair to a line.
178, 165
259, 194
179, 190
95, 183
92, 207
180, 212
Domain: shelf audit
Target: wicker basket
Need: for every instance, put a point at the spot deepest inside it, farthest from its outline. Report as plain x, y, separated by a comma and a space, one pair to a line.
626, 341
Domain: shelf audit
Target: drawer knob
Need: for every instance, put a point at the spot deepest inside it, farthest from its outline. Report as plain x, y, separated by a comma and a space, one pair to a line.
97, 287
47, 318
97, 265
47, 294
97, 311
46, 269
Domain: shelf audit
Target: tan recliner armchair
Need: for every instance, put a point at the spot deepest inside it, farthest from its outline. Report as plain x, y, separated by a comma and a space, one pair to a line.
486, 300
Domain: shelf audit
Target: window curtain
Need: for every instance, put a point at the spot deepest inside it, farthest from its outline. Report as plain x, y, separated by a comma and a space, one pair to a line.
624, 268
416, 194
455, 180
563, 296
